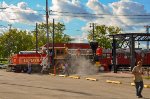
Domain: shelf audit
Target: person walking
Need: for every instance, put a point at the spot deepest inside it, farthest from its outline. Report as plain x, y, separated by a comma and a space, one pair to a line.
66, 69
29, 67
138, 80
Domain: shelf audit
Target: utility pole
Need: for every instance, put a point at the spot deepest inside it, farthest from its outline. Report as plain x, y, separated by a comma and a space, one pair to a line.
93, 26
53, 46
9, 42
47, 16
147, 31
36, 37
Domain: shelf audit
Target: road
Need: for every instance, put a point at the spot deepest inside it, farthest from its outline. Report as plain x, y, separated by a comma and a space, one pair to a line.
37, 86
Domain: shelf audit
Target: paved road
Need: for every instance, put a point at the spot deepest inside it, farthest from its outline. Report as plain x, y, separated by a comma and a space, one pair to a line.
36, 86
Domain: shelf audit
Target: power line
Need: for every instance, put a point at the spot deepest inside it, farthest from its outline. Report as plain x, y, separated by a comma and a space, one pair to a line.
73, 14
17, 11
76, 15
100, 14
23, 12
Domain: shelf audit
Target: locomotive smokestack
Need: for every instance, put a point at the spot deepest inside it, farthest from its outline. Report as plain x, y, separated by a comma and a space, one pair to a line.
94, 46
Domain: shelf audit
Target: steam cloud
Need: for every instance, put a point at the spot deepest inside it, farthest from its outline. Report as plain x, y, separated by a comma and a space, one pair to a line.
83, 66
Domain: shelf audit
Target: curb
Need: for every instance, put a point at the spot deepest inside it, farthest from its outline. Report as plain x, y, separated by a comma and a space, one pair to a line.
75, 77
146, 86
115, 82
52, 74
92, 79
62, 75
132, 84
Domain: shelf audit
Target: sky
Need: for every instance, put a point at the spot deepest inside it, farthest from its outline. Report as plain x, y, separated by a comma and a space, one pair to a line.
129, 15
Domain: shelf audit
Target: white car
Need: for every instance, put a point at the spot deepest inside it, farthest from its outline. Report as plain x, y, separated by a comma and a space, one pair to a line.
3, 66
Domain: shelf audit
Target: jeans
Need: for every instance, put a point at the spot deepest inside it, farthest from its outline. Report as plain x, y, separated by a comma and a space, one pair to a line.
139, 88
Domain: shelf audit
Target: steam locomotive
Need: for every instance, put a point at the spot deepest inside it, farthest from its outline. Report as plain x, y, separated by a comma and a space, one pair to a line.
63, 51
19, 62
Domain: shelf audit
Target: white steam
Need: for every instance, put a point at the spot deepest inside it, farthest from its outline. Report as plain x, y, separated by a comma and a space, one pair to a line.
83, 66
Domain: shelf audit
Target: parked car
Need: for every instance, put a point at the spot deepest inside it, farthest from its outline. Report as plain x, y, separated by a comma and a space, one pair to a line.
3, 66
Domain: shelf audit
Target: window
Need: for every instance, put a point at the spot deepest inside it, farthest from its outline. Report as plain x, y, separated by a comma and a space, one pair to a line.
59, 52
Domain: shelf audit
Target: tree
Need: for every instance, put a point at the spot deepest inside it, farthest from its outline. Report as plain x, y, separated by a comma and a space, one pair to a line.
14, 41
59, 35
101, 35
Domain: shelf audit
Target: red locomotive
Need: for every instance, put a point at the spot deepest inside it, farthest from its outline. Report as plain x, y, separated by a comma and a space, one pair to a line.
19, 62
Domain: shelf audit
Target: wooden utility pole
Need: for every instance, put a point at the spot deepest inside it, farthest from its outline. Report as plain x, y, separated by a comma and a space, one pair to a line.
36, 37
53, 36
47, 32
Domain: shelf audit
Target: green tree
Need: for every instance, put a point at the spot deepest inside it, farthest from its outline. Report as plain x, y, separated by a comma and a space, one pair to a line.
101, 35
14, 41
59, 36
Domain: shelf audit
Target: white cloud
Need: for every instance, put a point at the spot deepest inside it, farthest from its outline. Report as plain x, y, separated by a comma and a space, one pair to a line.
79, 39
3, 29
70, 9
20, 13
111, 12
82, 37
97, 7
116, 14
22, 5
130, 8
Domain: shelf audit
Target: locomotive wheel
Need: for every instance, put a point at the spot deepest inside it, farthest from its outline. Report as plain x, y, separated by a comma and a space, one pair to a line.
36, 68
24, 69
18, 69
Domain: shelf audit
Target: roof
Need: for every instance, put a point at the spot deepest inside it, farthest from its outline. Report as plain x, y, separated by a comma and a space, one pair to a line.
71, 45
137, 36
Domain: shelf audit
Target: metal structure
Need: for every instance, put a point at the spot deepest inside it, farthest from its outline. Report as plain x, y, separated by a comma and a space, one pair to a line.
147, 31
129, 40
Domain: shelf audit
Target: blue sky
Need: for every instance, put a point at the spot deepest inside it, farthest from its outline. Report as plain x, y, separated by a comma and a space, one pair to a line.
23, 14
